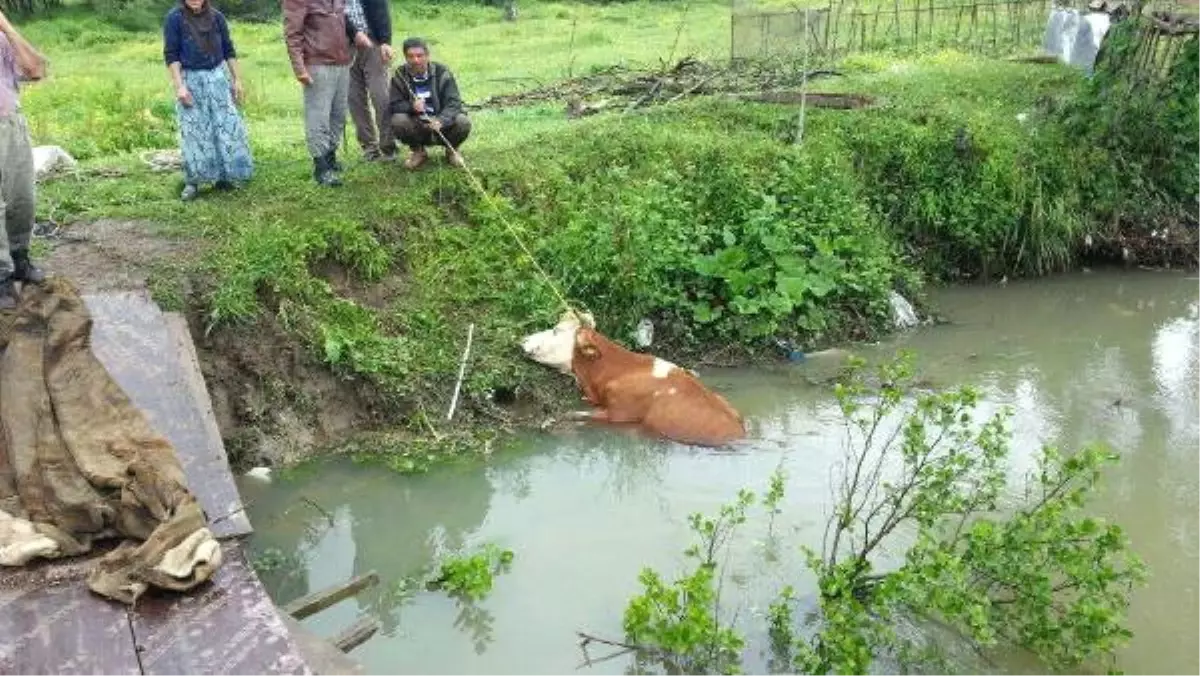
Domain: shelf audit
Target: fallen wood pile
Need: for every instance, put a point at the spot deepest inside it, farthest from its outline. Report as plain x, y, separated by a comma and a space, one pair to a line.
618, 87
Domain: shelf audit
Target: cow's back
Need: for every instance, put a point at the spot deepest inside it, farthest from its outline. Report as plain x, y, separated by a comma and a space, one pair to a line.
689, 412
661, 397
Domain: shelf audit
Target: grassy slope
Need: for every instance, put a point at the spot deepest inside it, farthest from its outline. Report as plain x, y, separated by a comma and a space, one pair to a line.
108, 98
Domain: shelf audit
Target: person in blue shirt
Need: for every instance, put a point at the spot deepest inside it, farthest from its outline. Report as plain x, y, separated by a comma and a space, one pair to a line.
204, 70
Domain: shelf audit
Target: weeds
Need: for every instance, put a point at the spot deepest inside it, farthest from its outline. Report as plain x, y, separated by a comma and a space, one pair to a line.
471, 576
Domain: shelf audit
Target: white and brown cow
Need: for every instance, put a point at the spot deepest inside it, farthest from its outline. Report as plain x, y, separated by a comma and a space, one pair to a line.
632, 388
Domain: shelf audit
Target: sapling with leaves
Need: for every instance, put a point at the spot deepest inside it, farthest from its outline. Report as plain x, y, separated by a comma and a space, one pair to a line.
921, 477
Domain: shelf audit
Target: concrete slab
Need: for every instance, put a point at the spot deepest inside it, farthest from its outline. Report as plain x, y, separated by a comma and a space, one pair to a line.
151, 356
51, 623
229, 627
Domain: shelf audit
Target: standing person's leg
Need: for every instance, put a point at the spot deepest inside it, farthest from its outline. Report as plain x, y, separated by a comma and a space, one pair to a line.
17, 200
379, 86
22, 204
197, 136
360, 109
318, 102
230, 139
337, 112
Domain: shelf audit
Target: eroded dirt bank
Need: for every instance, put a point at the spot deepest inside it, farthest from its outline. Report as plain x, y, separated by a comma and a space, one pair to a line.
274, 402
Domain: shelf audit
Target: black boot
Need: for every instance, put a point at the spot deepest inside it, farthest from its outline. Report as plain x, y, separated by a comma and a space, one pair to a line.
331, 157
8, 295
323, 173
24, 270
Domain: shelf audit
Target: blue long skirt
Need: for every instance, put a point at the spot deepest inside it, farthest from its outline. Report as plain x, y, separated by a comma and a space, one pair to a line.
213, 138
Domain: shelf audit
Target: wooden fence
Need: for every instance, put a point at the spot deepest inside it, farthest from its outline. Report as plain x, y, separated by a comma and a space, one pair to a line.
1161, 38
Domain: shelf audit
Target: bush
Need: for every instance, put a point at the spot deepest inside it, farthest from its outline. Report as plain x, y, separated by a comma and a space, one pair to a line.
719, 239
147, 15
1146, 131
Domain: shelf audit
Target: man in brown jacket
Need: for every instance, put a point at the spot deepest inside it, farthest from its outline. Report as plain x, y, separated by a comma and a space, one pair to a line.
316, 35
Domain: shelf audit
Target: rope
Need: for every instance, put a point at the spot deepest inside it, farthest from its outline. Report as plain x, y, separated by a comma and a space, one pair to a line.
511, 230
487, 197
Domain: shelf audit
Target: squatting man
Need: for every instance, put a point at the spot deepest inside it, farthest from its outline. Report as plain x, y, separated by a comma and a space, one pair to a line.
426, 106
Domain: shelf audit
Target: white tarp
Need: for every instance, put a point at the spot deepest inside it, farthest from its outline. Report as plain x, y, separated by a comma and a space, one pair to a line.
1075, 38
48, 159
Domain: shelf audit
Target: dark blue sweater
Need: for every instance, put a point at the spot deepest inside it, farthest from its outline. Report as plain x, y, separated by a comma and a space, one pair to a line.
179, 46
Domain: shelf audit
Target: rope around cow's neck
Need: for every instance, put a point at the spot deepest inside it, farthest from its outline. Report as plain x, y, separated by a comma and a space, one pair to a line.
487, 197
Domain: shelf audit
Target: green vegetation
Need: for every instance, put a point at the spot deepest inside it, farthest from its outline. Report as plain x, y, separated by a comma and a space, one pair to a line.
708, 217
703, 215
923, 533
471, 575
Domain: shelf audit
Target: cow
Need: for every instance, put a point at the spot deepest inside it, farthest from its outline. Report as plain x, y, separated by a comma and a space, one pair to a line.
627, 387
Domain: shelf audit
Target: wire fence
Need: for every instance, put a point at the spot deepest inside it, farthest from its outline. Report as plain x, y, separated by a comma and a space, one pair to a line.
838, 28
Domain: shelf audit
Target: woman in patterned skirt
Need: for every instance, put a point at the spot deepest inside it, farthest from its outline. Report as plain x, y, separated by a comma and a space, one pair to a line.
208, 86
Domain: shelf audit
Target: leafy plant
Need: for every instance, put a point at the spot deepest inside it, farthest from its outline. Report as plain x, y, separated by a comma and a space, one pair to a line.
678, 625
1044, 575
1144, 126
471, 575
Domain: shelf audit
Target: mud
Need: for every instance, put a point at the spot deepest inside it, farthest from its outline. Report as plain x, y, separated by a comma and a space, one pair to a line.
276, 404
108, 255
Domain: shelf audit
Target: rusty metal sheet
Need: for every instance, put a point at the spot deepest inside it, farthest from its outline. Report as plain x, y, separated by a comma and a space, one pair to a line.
51, 623
155, 364
227, 627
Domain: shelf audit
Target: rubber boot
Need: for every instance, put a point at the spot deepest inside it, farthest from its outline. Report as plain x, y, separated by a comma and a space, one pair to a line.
24, 270
324, 174
331, 157
8, 295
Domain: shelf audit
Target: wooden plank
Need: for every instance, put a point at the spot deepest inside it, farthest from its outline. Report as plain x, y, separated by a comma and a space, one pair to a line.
228, 627
356, 634
321, 655
133, 340
51, 623
320, 600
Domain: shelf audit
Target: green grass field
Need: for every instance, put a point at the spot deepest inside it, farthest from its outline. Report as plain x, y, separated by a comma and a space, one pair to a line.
702, 213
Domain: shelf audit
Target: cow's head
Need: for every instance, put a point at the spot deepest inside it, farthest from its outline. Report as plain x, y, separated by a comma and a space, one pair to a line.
556, 347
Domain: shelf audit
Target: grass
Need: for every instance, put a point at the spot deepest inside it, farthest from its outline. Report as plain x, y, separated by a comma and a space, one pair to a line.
701, 215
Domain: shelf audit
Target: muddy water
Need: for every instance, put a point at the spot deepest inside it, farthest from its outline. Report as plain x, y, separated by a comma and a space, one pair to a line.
1092, 357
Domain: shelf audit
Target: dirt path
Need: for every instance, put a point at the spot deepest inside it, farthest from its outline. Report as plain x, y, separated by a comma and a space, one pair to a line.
110, 255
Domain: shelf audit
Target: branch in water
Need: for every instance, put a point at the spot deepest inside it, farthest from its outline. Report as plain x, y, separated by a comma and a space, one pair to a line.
585, 639
320, 509
625, 648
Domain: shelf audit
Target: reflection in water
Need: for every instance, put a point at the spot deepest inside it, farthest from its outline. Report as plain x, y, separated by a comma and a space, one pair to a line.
1106, 357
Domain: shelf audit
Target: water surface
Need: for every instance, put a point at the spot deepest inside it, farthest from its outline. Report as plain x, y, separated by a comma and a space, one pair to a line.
1108, 357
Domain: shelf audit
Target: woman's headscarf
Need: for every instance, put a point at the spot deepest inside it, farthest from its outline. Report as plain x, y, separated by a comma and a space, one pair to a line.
202, 27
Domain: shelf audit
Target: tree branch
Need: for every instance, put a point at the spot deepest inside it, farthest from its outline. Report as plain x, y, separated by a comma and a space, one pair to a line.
586, 639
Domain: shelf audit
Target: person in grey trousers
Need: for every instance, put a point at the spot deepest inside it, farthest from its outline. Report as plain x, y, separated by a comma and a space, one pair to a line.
18, 61
316, 35
369, 95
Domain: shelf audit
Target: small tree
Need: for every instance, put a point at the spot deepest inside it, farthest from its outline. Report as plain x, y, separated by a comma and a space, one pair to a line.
1043, 575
